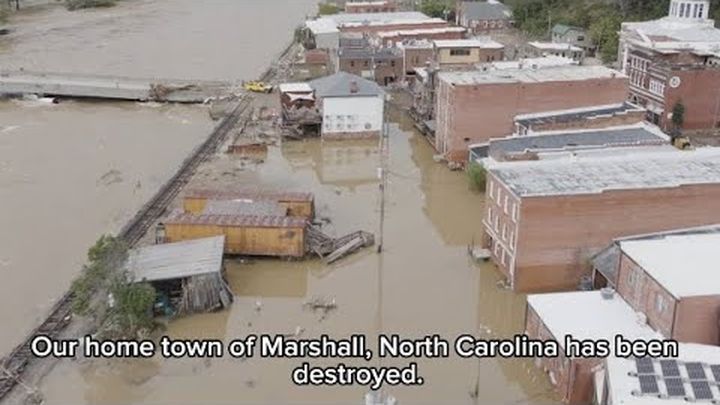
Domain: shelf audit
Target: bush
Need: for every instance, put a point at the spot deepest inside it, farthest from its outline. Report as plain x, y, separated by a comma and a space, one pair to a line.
106, 256
477, 176
79, 4
132, 313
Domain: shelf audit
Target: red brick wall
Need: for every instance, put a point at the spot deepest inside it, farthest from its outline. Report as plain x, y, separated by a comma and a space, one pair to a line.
387, 68
700, 93
417, 57
478, 113
390, 40
558, 234
501, 226
696, 320
641, 292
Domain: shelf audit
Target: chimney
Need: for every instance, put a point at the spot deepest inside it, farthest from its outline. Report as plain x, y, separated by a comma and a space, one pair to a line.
354, 87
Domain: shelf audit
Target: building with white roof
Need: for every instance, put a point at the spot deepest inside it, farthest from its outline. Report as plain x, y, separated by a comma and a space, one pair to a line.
692, 377
545, 219
560, 49
671, 278
583, 315
675, 60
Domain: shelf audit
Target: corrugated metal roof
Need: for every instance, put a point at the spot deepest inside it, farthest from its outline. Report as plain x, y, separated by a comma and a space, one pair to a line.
249, 221
176, 260
241, 207
250, 195
623, 136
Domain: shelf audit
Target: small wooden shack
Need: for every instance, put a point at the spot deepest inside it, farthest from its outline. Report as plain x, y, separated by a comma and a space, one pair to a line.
187, 276
298, 204
252, 235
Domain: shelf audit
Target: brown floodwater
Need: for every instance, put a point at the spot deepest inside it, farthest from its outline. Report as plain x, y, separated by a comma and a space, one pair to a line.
423, 283
72, 171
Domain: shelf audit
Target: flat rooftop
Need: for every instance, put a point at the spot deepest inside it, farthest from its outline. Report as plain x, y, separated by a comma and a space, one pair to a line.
240, 221
578, 139
587, 315
420, 31
577, 114
529, 75
249, 195
672, 378
592, 175
697, 255
468, 43
554, 46
176, 260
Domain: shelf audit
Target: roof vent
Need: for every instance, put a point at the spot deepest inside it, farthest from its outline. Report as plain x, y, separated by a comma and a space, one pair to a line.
607, 293
354, 87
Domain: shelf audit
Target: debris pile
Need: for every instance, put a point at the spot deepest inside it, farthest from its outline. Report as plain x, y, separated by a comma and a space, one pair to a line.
333, 249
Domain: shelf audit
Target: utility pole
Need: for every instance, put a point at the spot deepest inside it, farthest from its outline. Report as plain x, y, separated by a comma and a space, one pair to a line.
384, 152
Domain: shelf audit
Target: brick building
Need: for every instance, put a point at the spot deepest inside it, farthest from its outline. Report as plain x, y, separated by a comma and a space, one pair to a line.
472, 107
379, 6
544, 220
646, 272
415, 54
583, 315
483, 17
393, 38
383, 65
675, 60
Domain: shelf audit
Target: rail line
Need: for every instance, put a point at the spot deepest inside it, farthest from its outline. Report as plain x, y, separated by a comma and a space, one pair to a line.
14, 365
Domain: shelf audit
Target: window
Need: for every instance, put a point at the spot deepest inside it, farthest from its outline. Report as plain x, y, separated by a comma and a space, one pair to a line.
504, 232
496, 249
660, 303
499, 196
497, 223
505, 206
632, 278
491, 187
503, 257
459, 52
511, 240
392, 63
657, 87
352, 63
366, 63
515, 212
489, 214
580, 38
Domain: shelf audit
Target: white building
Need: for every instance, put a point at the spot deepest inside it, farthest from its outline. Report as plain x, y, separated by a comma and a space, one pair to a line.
691, 378
352, 107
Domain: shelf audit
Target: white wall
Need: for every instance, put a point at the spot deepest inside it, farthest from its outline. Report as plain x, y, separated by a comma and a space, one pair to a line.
352, 114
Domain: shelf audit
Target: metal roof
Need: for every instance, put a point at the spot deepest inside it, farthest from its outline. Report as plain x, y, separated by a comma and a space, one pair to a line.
485, 10
563, 29
242, 207
468, 43
249, 221
249, 194
576, 114
592, 175
620, 136
340, 84
369, 53
176, 260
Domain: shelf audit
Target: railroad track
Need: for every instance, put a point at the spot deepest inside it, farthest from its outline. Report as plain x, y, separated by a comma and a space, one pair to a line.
14, 365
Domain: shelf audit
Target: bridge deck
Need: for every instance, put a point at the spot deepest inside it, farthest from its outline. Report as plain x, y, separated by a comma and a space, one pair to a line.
110, 87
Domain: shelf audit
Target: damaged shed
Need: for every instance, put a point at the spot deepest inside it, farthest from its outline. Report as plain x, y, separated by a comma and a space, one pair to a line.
251, 235
298, 204
187, 275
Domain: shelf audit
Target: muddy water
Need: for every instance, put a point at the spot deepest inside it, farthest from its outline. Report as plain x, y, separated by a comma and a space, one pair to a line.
423, 283
68, 173
73, 171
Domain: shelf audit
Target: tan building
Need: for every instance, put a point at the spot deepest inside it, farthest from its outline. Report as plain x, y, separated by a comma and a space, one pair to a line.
464, 52
672, 279
544, 220
473, 106
393, 38
596, 315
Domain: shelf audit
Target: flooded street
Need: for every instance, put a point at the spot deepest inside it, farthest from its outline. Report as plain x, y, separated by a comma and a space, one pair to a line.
72, 171
424, 283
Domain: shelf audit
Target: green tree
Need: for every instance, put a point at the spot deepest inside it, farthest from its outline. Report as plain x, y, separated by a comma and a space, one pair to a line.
604, 32
328, 9
132, 313
476, 176
678, 115
434, 8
